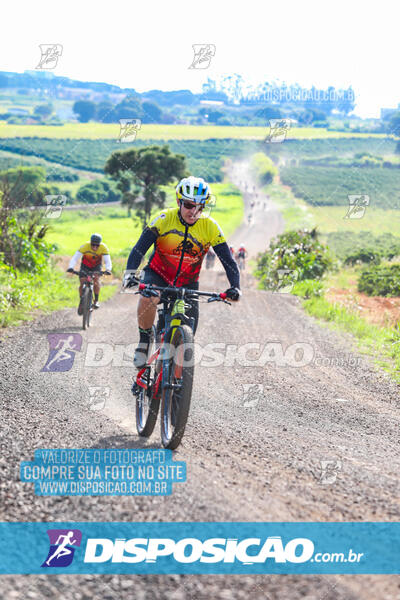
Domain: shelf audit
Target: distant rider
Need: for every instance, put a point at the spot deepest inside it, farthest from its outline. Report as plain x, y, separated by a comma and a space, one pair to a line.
91, 255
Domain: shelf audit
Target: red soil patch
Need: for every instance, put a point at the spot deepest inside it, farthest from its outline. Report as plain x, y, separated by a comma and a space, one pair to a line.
374, 309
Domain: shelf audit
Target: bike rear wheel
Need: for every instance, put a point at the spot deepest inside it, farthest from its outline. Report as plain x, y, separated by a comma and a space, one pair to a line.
86, 307
177, 386
147, 405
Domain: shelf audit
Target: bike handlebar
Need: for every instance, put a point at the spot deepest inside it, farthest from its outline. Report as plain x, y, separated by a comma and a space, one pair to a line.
84, 273
184, 292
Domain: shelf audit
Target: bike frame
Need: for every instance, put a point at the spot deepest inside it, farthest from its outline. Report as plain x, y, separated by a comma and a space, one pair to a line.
88, 281
172, 320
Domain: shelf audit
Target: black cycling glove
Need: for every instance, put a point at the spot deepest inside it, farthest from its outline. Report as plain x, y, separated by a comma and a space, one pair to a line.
233, 293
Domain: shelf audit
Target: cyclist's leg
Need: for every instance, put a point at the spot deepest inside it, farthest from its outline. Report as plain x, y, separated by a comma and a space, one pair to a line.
147, 307
83, 271
96, 285
81, 280
146, 313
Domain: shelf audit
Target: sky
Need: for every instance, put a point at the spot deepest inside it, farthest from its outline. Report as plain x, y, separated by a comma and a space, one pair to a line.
149, 45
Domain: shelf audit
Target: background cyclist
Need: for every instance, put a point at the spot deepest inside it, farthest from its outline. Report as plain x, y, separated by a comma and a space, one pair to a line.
91, 255
241, 256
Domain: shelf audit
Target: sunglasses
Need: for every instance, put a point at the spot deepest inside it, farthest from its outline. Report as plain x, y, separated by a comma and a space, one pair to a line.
95, 245
190, 205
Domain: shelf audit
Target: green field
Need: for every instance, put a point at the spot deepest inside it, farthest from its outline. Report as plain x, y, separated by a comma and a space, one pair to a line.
166, 132
204, 157
120, 232
298, 214
375, 220
330, 186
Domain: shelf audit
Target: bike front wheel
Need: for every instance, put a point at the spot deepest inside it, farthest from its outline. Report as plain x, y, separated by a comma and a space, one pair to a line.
86, 306
177, 385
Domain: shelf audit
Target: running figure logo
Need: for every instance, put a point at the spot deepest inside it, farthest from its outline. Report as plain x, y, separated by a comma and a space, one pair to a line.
128, 130
357, 206
278, 130
50, 55
203, 54
61, 551
62, 348
55, 204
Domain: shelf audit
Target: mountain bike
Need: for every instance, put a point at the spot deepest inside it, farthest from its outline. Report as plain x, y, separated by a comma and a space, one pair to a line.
167, 377
241, 262
87, 295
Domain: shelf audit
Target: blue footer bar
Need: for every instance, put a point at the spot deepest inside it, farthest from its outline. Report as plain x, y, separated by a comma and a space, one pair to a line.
196, 548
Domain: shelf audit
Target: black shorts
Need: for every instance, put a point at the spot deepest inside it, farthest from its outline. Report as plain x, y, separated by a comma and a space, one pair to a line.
150, 276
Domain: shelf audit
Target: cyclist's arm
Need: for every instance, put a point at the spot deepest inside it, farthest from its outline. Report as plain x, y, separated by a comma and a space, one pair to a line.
139, 250
229, 264
76, 257
107, 262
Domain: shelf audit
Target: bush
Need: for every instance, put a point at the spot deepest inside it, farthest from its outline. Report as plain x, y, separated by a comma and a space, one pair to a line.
61, 175
380, 281
292, 256
98, 191
363, 255
31, 253
308, 288
346, 244
262, 168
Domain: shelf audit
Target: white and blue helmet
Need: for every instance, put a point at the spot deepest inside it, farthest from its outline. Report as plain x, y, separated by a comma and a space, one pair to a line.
194, 189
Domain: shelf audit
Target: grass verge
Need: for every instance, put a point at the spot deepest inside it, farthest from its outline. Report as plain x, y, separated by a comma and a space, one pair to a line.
382, 343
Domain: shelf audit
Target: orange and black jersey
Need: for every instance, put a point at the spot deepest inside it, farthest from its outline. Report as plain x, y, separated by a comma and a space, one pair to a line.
179, 248
90, 258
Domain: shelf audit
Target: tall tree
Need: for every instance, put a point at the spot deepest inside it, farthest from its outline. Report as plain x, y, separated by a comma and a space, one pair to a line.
43, 110
141, 172
19, 188
85, 109
151, 112
129, 108
105, 112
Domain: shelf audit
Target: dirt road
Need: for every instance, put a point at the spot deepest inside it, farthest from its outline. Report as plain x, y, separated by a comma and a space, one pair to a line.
255, 444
